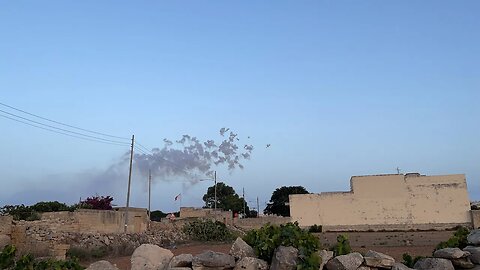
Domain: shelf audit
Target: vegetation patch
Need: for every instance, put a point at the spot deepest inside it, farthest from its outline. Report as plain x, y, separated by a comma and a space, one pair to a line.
459, 239
266, 239
342, 247
27, 262
207, 230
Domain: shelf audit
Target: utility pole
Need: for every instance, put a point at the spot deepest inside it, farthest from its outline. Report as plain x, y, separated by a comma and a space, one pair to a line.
129, 184
244, 202
215, 179
149, 194
258, 208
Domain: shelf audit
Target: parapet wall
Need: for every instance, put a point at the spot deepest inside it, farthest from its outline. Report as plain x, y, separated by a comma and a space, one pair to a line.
408, 201
255, 223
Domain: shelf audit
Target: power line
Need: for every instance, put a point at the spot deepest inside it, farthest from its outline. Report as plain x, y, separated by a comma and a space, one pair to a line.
63, 124
62, 129
59, 132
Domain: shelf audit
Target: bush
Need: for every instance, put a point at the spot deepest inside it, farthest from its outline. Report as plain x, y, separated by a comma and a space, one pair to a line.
459, 239
27, 262
97, 202
315, 228
409, 261
51, 207
266, 239
342, 247
20, 212
207, 230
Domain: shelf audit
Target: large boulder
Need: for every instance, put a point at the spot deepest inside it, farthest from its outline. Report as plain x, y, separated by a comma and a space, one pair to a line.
251, 263
241, 249
474, 237
5, 240
150, 257
182, 260
400, 266
377, 259
284, 258
474, 253
464, 263
102, 265
345, 262
450, 253
434, 264
210, 259
325, 256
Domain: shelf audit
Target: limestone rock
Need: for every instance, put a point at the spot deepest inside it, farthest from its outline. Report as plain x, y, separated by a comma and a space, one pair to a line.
464, 263
450, 253
150, 257
241, 249
102, 265
400, 266
434, 264
365, 268
325, 255
377, 259
474, 237
182, 260
345, 262
474, 253
284, 258
180, 268
210, 259
251, 263
4, 241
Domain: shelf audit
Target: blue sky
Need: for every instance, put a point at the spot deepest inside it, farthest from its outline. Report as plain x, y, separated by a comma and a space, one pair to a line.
338, 88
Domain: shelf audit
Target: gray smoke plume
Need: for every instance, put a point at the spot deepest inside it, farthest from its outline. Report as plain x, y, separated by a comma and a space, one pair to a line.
189, 156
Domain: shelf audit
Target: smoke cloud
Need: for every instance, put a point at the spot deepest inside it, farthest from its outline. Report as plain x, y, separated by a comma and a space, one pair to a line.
189, 156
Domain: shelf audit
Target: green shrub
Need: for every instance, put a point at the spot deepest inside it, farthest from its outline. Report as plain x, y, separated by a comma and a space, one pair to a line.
409, 261
315, 228
266, 239
342, 247
27, 262
207, 230
459, 239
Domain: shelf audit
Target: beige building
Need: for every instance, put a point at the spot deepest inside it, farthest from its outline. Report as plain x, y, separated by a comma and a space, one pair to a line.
390, 202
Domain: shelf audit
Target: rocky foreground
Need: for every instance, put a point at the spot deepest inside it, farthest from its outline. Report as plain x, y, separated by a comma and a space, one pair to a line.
242, 256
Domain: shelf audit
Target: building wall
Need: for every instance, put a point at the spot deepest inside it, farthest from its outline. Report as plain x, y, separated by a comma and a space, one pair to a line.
383, 200
475, 219
220, 215
255, 223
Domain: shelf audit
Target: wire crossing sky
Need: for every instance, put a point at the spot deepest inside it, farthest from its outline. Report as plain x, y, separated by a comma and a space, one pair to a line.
333, 88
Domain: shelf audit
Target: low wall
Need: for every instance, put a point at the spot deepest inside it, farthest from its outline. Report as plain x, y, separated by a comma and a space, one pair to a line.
475, 218
6, 225
255, 223
220, 215
395, 227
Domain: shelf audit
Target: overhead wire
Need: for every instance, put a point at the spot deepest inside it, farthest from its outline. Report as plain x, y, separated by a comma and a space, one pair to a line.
63, 124
62, 129
59, 132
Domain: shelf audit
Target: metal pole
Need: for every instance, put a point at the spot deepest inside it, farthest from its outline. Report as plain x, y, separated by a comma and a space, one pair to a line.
149, 194
215, 179
244, 203
129, 184
258, 208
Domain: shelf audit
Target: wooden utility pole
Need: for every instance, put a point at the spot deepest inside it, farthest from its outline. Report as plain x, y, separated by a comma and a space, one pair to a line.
149, 194
244, 202
129, 184
258, 208
215, 180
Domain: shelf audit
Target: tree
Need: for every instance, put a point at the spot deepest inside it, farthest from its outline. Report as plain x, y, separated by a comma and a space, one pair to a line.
227, 199
278, 204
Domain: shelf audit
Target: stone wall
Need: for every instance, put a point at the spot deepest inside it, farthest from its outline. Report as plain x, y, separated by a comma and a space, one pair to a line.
6, 225
475, 218
410, 201
255, 223
220, 215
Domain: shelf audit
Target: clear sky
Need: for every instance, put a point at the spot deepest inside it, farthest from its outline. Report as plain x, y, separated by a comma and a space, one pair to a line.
338, 88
